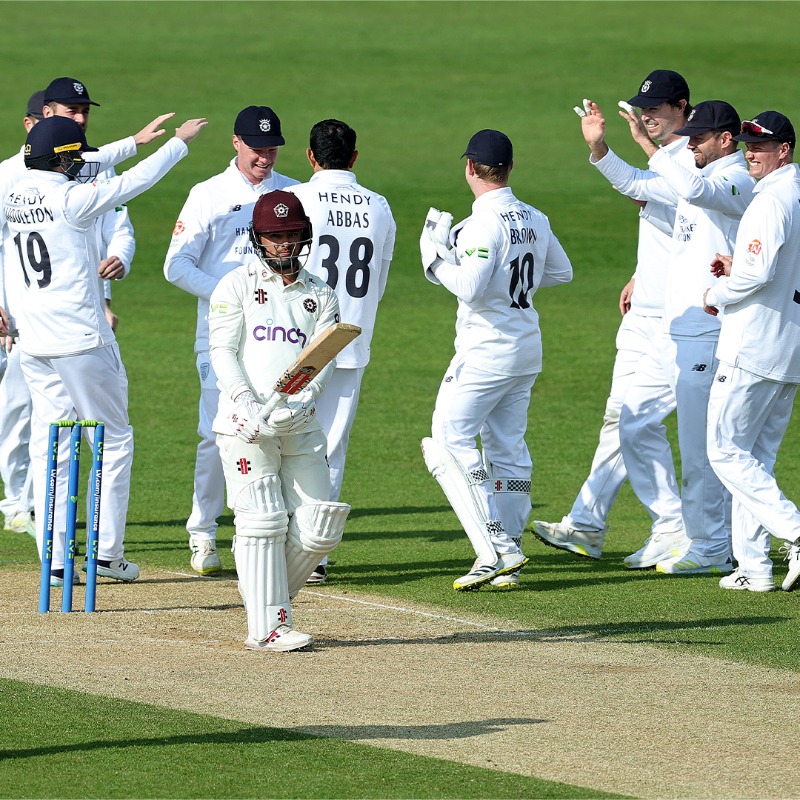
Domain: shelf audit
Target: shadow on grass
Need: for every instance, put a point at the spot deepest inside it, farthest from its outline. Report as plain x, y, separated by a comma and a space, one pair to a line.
265, 735
575, 633
243, 736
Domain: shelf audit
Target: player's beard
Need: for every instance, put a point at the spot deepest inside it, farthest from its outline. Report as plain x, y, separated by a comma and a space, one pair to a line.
287, 265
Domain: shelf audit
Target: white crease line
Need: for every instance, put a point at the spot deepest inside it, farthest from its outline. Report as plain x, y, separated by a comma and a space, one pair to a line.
409, 611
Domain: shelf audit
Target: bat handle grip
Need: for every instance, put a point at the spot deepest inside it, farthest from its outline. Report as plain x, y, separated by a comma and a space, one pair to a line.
271, 405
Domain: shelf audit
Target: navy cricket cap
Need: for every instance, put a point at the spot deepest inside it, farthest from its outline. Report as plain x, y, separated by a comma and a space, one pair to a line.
661, 86
35, 105
711, 115
767, 126
67, 91
259, 126
54, 135
491, 148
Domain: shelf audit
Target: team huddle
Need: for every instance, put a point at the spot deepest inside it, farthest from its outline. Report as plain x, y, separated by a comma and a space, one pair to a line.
709, 329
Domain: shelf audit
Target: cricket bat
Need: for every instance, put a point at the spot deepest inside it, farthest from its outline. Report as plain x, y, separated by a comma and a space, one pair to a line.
318, 353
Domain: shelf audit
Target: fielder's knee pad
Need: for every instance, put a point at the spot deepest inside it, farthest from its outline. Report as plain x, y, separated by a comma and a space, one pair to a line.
461, 490
513, 500
260, 551
314, 530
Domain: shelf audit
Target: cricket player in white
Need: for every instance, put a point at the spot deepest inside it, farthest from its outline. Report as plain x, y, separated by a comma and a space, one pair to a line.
73, 368
494, 262
663, 98
758, 297
209, 240
69, 98
710, 201
261, 316
354, 235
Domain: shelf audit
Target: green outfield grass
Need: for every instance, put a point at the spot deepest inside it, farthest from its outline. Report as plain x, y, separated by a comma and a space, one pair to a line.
415, 80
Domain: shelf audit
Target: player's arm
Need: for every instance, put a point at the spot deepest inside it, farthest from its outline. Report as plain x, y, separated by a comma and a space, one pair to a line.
189, 239
660, 215
758, 242
638, 184
117, 244
557, 266
225, 325
729, 192
83, 202
109, 155
474, 265
386, 256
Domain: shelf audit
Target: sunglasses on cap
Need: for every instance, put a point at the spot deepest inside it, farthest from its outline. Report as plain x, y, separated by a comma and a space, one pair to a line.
754, 129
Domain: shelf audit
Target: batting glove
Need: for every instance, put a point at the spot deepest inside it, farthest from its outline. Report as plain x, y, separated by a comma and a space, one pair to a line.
246, 419
292, 417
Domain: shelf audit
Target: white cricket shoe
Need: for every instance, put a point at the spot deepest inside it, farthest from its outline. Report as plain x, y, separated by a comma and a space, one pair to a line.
57, 578
319, 575
21, 522
506, 583
119, 570
793, 557
690, 563
484, 573
205, 559
563, 537
281, 640
738, 580
658, 547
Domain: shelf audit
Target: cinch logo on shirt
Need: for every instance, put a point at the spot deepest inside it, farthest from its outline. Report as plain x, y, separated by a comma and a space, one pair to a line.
268, 333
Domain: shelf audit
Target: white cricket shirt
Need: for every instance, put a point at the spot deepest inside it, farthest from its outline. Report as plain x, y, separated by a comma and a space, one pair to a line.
761, 298
210, 237
354, 234
505, 251
258, 327
51, 222
710, 203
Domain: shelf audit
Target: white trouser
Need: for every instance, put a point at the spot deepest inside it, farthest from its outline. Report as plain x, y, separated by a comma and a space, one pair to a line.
15, 436
298, 460
607, 474
90, 385
676, 374
336, 412
472, 402
208, 498
747, 419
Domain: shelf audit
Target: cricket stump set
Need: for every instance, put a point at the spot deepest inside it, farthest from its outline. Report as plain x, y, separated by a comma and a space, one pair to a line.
93, 524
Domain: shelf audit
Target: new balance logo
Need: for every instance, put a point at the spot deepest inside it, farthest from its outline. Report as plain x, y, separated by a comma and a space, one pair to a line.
234, 209
243, 466
699, 367
722, 378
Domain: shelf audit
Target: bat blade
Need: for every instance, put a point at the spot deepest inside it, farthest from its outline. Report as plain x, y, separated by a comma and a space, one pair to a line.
318, 353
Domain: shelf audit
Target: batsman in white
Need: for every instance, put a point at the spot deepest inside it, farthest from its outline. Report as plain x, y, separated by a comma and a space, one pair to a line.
354, 234
209, 240
69, 354
677, 371
493, 262
63, 97
759, 356
261, 316
663, 99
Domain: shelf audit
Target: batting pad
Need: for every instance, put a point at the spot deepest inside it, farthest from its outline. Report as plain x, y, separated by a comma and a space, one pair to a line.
461, 490
261, 564
260, 553
314, 530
